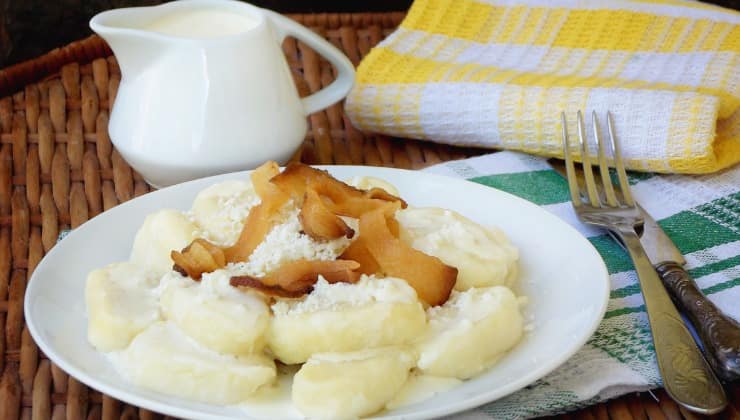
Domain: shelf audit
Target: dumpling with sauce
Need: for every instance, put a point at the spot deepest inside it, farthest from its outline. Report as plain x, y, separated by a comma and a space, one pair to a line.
162, 232
220, 210
350, 385
164, 359
344, 317
482, 255
470, 332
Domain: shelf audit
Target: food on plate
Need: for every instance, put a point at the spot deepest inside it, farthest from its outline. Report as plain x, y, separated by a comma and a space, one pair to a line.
197, 258
482, 255
166, 360
162, 232
120, 302
220, 210
297, 278
370, 182
346, 284
420, 387
215, 314
432, 279
319, 222
262, 217
341, 317
350, 385
470, 332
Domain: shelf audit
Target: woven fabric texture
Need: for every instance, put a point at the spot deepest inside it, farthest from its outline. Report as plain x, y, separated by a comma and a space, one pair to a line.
498, 73
698, 213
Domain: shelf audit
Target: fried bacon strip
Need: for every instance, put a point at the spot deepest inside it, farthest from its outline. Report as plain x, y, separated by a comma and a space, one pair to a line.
319, 222
297, 278
257, 284
197, 258
358, 251
429, 276
261, 217
340, 198
322, 199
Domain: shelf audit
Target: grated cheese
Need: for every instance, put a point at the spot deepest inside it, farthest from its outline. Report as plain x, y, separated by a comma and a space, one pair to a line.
285, 243
334, 296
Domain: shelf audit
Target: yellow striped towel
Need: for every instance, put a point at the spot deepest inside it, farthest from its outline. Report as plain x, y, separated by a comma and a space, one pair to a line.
497, 73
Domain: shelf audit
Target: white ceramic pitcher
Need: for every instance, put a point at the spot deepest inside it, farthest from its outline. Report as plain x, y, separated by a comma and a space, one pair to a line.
205, 87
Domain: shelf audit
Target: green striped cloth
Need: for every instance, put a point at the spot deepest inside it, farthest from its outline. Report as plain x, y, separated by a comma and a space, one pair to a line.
700, 213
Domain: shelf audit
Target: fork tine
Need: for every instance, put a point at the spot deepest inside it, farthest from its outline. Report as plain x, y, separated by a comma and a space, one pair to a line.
593, 195
570, 170
611, 198
621, 173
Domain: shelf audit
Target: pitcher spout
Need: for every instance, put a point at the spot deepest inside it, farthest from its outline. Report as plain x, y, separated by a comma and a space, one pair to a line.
125, 32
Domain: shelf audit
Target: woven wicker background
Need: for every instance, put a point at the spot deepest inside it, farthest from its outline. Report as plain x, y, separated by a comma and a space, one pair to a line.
58, 169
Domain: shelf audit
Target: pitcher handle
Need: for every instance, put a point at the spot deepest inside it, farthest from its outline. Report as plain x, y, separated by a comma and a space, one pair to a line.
340, 87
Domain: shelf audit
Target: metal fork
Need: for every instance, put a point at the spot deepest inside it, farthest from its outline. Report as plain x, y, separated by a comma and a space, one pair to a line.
687, 377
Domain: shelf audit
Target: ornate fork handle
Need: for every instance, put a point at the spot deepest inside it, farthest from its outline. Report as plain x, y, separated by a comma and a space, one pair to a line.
719, 333
687, 377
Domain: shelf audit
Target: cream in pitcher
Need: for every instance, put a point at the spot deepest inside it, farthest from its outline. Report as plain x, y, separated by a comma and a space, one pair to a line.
202, 23
205, 87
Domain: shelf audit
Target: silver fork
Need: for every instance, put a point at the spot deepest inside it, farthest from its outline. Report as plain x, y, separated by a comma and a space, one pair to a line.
687, 377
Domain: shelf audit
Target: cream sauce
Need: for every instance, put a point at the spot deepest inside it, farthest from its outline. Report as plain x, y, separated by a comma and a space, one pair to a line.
273, 402
202, 23
421, 387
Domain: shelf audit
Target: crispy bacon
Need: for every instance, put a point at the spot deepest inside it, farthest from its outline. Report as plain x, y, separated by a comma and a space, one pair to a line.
261, 218
257, 284
429, 276
319, 222
197, 258
297, 278
322, 199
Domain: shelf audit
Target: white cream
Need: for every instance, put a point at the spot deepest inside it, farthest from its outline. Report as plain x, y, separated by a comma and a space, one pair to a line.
421, 387
202, 23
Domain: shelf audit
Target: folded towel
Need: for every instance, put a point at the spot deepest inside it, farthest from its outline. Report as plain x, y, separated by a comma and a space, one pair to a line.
700, 214
497, 73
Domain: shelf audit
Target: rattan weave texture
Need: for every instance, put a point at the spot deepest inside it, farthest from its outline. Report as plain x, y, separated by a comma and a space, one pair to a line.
58, 169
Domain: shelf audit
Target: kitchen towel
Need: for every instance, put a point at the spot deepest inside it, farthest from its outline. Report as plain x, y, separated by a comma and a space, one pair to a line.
497, 73
701, 215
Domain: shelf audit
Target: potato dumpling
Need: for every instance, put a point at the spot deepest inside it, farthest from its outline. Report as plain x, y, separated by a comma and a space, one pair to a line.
220, 210
470, 332
120, 303
344, 317
162, 232
370, 182
350, 385
483, 255
163, 359
215, 314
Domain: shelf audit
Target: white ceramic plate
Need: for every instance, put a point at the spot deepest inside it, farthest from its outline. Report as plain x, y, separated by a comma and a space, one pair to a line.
561, 273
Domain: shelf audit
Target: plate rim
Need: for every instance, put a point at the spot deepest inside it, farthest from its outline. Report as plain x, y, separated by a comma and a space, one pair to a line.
471, 402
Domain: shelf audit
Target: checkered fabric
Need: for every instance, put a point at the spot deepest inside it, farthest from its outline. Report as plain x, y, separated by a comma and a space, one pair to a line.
701, 214
497, 73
